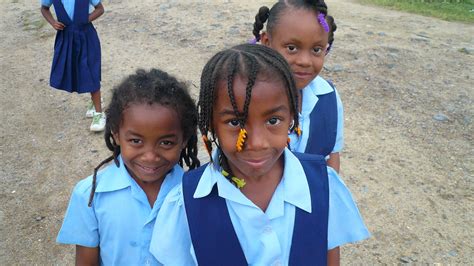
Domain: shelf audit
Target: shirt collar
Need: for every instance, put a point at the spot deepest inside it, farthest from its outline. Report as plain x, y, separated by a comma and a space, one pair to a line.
294, 184
319, 86
113, 177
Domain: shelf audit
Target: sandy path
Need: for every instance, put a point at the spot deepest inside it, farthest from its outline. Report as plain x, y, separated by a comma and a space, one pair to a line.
406, 87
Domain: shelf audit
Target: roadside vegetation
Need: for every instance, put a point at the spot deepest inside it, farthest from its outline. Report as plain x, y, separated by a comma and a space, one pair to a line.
451, 10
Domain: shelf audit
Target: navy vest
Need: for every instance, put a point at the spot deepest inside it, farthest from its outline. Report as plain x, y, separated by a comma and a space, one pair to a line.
323, 125
77, 57
213, 236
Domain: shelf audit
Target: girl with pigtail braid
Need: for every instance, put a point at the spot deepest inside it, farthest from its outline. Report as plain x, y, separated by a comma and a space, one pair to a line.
303, 32
256, 202
151, 132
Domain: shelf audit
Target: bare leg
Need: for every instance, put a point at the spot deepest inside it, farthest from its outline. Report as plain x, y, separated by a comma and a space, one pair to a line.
95, 96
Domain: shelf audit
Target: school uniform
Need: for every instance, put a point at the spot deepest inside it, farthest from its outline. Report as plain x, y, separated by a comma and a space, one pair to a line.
120, 220
321, 120
264, 238
77, 56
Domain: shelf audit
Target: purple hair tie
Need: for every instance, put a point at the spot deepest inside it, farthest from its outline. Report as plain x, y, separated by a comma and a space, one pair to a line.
253, 41
322, 21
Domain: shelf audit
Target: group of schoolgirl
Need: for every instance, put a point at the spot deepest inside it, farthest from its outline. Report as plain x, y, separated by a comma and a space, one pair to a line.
271, 126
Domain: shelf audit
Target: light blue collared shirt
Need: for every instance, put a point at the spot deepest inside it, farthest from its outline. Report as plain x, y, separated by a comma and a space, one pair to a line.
265, 237
120, 220
317, 86
69, 5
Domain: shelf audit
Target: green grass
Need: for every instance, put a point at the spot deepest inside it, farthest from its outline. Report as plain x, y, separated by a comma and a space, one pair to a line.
451, 10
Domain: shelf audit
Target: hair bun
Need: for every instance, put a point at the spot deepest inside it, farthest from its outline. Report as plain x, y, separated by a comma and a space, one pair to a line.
263, 13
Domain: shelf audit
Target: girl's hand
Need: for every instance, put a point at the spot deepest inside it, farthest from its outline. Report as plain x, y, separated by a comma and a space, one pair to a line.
49, 17
58, 25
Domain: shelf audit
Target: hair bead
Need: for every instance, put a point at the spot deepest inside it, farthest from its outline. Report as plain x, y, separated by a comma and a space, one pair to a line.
241, 139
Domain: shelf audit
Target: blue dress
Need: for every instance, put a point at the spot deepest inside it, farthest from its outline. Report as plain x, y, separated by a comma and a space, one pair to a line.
77, 59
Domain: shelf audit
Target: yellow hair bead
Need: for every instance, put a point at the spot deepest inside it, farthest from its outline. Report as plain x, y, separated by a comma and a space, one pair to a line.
298, 131
241, 139
239, 182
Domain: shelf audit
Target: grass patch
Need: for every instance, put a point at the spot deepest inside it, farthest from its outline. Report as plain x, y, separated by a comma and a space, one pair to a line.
451, 10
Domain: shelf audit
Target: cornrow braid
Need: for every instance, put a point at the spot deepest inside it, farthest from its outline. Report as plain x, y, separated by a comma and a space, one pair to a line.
249, 61
152, 87
253, 71
230, 79
204, 122
274, 14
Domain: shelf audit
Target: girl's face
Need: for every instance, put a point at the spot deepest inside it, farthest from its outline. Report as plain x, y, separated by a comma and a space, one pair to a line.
269, 117
300, 38
150, 140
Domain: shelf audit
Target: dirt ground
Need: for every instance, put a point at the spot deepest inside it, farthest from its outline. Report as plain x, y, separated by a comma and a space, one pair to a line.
406, 82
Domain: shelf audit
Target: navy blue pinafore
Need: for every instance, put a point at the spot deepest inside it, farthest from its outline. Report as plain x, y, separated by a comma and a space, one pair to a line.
77, 59
323, 125
213, 236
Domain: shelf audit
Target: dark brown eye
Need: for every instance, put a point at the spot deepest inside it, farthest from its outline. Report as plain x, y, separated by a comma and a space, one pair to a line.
234, 123
291, 48
274, 121
135, 141
318, 50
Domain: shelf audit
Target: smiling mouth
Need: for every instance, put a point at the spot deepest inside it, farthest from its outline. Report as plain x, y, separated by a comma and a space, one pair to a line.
256, 163
302, 75
149, 170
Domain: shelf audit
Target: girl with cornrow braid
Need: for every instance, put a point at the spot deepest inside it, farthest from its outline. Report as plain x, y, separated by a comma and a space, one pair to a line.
256, 202
151, 130
303, 32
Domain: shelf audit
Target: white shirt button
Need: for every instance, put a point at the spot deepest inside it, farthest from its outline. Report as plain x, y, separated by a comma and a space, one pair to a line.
277, 263
267, 230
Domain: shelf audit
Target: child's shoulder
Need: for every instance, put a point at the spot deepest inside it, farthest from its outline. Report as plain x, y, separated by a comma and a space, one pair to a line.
310, 157
84, 186
327, 83
196, 172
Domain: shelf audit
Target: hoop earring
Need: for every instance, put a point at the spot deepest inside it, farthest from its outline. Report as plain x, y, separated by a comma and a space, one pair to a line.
292, 125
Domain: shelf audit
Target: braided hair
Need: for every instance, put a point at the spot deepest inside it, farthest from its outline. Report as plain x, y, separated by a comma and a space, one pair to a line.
245, 60
153, 87
273, 15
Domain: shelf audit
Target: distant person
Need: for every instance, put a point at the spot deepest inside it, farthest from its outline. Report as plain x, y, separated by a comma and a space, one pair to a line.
151, 130
303, 33
77, 58
255, 203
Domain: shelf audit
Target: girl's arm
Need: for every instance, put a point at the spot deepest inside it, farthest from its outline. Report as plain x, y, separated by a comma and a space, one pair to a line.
87, 256
49, 17
98, 11
334, 257
334, 161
